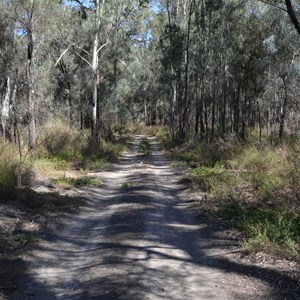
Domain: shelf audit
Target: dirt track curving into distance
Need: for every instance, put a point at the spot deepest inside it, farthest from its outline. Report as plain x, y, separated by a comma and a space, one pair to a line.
137, 238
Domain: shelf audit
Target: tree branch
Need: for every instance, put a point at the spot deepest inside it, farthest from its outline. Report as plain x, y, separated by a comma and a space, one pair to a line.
83, 59
82, 50
61, 56
292, 15
273, 4
101, 47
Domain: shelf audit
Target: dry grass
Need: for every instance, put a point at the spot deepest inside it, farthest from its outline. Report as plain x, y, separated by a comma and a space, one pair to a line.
257, 189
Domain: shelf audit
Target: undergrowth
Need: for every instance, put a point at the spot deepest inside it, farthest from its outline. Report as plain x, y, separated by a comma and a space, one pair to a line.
255, 187
268, 228
145, 148
63, 148
77, 182
8, 164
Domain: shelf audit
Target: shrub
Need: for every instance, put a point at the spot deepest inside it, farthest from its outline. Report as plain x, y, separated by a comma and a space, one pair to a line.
145, 148
265, 169
78, 182
216, 180
60, 140
8, 164
106, 150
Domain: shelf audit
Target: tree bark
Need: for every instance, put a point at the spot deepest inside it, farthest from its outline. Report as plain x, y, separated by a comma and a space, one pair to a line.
283, 110
95, 87
186, 79
292, 15
30, 78
5, 107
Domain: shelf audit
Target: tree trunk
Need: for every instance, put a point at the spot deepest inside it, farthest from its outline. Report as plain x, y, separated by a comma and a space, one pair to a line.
292, 15
213, 117
95, 125
237, 112
30, 78
5, 107
283, 110
186, 79
174, 121
95, 87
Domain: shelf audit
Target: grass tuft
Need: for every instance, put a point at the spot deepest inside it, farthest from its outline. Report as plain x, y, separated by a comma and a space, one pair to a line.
145, 147
77, 182
273, 229
8, 164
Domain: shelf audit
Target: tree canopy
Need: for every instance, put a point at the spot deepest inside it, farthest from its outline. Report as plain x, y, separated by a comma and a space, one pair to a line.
202, 68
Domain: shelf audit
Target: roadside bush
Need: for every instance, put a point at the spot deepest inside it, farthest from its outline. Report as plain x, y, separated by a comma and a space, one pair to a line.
106, 151
144, 147
60, 140
77, 182
255, 186
265, 169
8, 163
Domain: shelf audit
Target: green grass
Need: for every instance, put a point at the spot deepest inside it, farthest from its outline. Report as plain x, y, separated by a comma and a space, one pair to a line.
145, 147
257, 189
96, 165
77, 182
15, 241
127, 185
51, 164
274, 229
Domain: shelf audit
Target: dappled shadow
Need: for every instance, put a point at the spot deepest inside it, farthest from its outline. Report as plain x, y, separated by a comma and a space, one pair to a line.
28, 217
137, 239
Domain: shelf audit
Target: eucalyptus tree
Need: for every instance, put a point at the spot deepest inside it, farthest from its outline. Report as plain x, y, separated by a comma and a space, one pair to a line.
108, 20
29, 19
6, 62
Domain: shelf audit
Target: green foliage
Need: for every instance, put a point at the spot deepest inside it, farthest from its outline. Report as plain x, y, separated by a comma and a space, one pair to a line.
275, 229
145, 147
209, 178
265, 169
8, 164
165, 137
61, 141
97, 164
77, 182
257, 189
106, 151
51, 164
64, 148
204, 154
14, 241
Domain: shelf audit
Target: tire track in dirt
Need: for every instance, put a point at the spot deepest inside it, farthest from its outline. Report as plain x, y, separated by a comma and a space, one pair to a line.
135, 238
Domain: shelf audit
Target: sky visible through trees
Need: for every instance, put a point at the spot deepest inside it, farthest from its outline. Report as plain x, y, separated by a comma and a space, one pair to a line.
202, 68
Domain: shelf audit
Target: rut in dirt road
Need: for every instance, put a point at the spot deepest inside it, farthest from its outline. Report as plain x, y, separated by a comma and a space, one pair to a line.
135, 239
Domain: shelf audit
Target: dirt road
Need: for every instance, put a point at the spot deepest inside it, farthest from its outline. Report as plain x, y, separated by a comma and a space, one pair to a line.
136, 238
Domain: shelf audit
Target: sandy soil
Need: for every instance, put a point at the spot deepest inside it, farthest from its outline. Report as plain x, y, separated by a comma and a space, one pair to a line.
137, 237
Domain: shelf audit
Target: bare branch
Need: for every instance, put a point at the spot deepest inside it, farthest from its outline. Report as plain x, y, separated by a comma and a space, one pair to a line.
61, 56
273, 4
84, 59
82, 50
82, 6
105, 44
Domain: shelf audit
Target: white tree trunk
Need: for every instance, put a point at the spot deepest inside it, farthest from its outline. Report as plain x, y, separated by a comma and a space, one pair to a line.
5, 107
30, 78
95, 84
95, 71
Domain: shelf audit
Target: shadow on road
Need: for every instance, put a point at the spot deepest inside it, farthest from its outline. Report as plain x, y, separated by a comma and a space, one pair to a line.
137, 240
